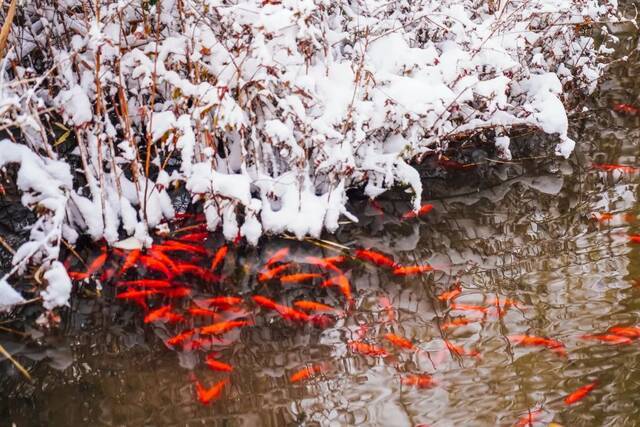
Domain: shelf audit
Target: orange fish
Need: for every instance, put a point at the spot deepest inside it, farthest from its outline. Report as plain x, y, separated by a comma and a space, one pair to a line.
385, 302
202, 312
130, 260
424, 209
217, 365
181, 337
160, 256
264, 302
528, 419
626, 108
266, 275
611, 167
176, 246
153, 264
375, 257
324, 263
580, 393
460, 351
219, 328
450, 295
342, 283
322, 321
179, 292
306, 373
157, 314
399, 341
197, 271
299, 277
626, 331
146, 283
458, 321
411, 270
467, 307
206, 396
222, 301
608, 338
277, 257
367, 349
292, 314
137, 294
77, 275
532, 340
97, 263
634, 238
219, 257
313, 306
418, 381
603, 216
194, 237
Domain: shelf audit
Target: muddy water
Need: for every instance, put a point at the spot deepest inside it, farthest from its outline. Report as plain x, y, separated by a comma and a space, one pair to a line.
524, 230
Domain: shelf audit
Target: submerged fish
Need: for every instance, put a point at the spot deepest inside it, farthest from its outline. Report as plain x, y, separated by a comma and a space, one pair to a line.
450, 295
278, 256
424, 209
270, 274
218, 258
626, 331
580, 393
299, 277
532, 340
375, 257
411, 270
367, 349
207, 395
222, 301
313, 306
342, 283
608, 338
217, 365
399, 341
219, 328
306, 373
418, 380
613, 167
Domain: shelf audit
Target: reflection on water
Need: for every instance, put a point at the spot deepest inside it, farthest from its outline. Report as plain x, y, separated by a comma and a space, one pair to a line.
531, 232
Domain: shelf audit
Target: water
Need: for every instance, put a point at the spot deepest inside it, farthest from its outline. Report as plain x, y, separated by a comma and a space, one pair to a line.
524, 231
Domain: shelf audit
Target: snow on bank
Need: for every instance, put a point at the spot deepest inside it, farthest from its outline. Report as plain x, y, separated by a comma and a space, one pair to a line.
269, 111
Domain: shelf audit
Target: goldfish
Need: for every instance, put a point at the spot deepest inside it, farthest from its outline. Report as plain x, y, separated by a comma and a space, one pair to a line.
137, 294
527, 419
325, 263
450, 295
306, 373
626, 331
423, 210
467, 307
418, 380
277, 257
218, 258
217, 365
222, 301
375, 258
399, 341
580, 393
153, 264
603, 216
626, 108
270, 274
130, 260
608, 338
202, 312
264, 302
458, 321
532, 340
388, 308
292, 314
181, 337
299, 277
176, 246
160, 256
179, 292
411, 270
460, 351
342, 283
634, 238
194, 237
313, 306
219, 328
206, 396
146, 283
322, 321
367, 349
197, 271
157, 314
97, 263
77, 275
612, 167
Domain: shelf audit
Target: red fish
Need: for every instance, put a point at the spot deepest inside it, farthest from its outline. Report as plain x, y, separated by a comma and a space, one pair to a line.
467, 307
299, 277
146, 283
218, 258
634, 238
130, 260
580, 393
306, 373
197, 271
176, 246
611, 167
313, 306
608, 338
418, 380
220, 328
399, 341
532, 340
153, 264
342, 283
375, 257
181, 337
325, 263
217, 365
411, 270
632, 332
367, 349
157, 314
160, 256
194, 237
424, 209
179, 292
272, 273
460, 351
264, 302
626, 108
458, 321
207, 395
137, 294
202, 312
222, 302
450, 295
529, 418
292, 314
277, 257
77, 275
97, 263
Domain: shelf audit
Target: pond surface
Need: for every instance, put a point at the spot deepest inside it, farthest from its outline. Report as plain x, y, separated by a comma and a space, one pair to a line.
532, 232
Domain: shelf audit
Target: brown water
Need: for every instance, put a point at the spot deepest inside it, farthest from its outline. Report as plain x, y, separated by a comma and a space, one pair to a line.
523, 231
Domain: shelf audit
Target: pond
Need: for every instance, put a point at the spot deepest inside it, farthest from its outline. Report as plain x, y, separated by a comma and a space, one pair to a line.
547, 239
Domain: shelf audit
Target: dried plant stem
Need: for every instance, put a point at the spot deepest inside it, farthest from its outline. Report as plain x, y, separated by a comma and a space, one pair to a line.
17, 364
6, 27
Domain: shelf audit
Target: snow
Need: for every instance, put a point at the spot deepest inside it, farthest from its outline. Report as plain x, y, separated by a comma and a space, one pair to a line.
59, 287
268, 113
8, 296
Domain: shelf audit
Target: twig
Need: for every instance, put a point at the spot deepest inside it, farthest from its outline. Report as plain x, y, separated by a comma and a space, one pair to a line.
6, 27
7, 246
18, 366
